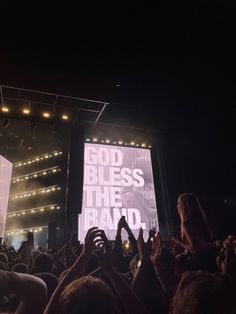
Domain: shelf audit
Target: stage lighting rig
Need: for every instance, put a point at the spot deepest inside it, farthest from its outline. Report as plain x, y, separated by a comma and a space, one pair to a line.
38, 158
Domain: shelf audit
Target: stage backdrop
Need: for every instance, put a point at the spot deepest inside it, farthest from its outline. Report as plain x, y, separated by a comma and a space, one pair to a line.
5, 181
118, 181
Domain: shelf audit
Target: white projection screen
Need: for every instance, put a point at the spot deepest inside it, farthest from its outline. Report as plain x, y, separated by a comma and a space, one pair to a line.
118, 181
5, 182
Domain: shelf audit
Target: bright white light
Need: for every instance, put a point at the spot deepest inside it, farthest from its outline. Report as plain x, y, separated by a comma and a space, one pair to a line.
95, 139
5, 109
46, 114
143, 145
132, 143
107, 141
64, 117
25, 111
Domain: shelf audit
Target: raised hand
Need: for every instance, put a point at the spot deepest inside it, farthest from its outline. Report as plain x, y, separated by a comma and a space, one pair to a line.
105, 252
93, 237
125, 224
152, 233
156, 249
228, 264
142, 246
121, 223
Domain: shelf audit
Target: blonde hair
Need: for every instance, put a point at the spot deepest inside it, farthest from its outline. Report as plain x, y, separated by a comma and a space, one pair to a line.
192, 206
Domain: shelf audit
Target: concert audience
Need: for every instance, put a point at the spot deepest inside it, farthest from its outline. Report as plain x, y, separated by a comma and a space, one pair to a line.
181, 275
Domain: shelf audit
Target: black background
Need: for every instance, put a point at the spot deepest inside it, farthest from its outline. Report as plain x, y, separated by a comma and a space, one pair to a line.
175, 67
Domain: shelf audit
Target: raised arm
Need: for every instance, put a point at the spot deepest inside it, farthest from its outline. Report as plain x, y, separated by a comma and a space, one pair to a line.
131, 237
144, 282
128, 298
76, 270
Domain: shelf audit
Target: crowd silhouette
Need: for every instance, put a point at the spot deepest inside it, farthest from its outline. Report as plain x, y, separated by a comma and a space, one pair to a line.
192, 273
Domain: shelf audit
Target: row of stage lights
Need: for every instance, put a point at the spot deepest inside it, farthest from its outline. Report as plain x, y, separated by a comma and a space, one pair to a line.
34, 210
37, 159
21, 231
108, 141
33, 193
36, 174
44, 114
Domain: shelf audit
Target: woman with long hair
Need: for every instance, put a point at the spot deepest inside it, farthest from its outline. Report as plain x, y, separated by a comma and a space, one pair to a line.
195, 231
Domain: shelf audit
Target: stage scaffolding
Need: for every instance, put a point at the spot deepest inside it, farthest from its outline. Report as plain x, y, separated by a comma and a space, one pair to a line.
39, 188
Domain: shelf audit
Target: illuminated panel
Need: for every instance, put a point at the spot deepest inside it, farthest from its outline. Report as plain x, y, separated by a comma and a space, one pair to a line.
118, 181
5, 180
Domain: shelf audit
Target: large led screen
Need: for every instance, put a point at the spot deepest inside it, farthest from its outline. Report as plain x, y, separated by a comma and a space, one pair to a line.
118, 181
5, 181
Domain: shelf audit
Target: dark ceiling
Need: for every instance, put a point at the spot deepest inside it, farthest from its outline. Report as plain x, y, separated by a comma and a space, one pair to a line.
169, 67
